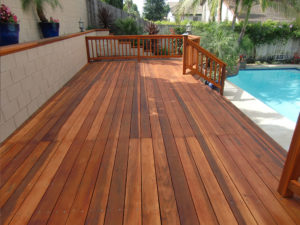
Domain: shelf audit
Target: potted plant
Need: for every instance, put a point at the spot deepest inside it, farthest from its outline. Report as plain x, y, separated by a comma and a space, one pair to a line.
49, 28
9, 27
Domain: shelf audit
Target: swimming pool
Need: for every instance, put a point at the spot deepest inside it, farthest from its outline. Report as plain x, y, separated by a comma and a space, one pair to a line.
277, 88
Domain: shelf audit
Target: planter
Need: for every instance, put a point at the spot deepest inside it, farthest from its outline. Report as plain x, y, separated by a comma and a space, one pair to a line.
49, 29
9, 33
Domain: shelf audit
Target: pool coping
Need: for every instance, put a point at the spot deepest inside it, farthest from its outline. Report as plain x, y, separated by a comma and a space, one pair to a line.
272, 66
278, 127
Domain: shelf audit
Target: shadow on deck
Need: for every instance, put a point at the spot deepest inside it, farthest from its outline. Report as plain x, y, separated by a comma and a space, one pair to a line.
139, 143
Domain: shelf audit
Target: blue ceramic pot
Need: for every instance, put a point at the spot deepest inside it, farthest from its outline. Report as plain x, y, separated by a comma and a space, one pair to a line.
9, 33
49, 29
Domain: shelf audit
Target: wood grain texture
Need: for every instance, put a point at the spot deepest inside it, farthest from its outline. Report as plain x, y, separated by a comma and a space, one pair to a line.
133, 143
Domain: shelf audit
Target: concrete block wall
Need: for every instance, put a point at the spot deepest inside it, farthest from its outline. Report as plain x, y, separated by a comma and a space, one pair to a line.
29, 78
69, 15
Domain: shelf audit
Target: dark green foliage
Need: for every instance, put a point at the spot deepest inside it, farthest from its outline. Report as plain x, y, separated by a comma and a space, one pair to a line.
180, 30
270, 31
127, 26
115, 3
156, 10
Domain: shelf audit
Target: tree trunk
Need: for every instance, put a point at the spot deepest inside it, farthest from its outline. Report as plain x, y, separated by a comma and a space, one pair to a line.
220, 3
41, 14
237, 2
245, 23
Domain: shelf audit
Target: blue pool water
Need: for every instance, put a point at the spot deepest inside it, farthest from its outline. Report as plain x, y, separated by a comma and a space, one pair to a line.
277, 88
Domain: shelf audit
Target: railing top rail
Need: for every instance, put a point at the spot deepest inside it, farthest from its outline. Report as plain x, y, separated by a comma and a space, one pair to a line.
215, 58
133, 36
194, 37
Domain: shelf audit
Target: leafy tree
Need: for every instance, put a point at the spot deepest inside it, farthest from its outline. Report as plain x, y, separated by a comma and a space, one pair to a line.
115, 3
156, 9
247, 5
131, 8
237, 3
214, 6
40, 4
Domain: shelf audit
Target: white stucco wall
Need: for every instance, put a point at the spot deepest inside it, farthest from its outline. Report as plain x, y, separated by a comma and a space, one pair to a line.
69, 16
227, 14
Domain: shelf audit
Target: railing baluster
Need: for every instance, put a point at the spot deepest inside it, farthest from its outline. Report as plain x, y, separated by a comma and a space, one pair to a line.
169, 46
176, 48
206, 65
138, 48
197, 61
103, 42
107, 47
130, 47
220, 72
115, 52
215, 74
166, 46
150, 52
125, 46
110, 47
210, 67
92, 46
201, 63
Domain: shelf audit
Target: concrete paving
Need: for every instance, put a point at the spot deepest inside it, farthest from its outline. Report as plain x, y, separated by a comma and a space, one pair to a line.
274, 124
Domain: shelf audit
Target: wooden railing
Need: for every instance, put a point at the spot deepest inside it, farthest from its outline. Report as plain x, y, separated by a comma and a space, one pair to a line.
195, 58
134, 47
199, 61
289, 183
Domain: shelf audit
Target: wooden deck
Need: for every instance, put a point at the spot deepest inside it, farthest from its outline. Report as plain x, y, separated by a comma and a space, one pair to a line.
140, 143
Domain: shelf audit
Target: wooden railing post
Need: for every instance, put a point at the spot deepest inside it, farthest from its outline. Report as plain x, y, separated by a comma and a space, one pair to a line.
138, 48
185, 37
223, 77
289, 183
87, 49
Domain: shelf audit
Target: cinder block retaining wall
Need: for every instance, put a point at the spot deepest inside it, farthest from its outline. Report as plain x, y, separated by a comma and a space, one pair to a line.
28, 78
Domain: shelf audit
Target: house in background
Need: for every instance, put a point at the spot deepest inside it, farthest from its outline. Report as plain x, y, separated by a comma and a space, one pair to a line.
202, 13
193, 15
256, 15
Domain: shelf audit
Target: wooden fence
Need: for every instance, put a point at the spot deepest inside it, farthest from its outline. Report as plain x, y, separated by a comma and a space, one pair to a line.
199, 61
134, 47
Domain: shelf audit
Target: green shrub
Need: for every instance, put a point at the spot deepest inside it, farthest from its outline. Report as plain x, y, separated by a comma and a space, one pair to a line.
221, 41
179, 30
127, 26
162, 51
270, 31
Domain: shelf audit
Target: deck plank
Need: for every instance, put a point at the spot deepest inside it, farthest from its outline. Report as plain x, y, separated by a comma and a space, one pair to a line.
139, 143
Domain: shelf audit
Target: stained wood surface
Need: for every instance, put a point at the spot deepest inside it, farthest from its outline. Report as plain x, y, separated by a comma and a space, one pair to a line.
139, 143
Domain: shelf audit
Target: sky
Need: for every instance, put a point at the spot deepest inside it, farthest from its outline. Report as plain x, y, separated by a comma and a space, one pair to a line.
140, 4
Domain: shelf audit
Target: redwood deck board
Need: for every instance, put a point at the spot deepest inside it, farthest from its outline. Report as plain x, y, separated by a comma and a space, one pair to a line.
133, 143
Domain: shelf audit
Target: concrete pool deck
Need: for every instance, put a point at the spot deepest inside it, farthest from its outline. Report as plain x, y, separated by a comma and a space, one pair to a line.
274, 124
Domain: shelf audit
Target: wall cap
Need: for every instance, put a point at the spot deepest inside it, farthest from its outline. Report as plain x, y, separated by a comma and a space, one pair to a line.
33, 44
